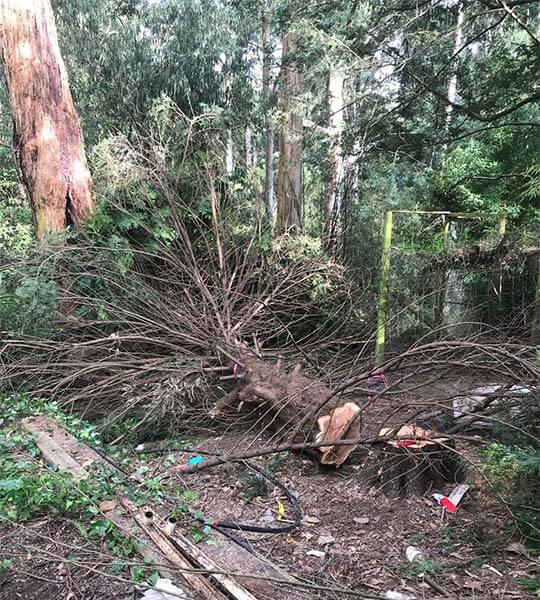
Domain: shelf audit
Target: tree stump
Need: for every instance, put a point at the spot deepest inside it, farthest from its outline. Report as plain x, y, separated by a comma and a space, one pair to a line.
406, 467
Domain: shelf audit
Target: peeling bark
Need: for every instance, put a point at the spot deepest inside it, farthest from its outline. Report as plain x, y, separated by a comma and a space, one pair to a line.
48, 141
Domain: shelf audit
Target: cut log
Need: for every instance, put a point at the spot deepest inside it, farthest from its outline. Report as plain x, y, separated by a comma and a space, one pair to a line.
343, 424
285, 399
406, 467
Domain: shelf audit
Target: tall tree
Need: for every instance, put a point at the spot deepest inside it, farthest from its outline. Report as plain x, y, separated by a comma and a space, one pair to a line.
268, 122
452, 94
47, 137
289, 183
335, 130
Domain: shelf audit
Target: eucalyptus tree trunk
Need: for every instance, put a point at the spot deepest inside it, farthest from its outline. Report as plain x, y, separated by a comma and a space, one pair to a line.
229, 154
453, 81
268, 124
47, 137
289, 182
332, 217
249, 149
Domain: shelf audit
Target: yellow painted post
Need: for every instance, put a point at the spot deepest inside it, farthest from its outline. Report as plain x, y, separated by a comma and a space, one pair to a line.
446, 229
384, 288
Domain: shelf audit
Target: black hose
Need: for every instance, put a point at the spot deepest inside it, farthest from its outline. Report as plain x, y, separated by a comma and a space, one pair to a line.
297, 513
172, 501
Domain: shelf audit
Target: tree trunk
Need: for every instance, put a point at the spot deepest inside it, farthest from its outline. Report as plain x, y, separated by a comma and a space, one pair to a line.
332, 217
248, 149
453, 81
402, 467
229, 154
289, 184
48, 141
268, 124
282, 400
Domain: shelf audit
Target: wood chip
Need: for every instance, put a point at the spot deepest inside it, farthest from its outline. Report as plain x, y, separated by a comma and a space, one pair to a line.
311, 520
516, 548
325, 539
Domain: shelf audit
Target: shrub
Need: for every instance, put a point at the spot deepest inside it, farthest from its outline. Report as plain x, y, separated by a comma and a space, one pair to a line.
514, 473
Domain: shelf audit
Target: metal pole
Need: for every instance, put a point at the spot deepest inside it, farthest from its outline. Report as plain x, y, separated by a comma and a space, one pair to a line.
384, 287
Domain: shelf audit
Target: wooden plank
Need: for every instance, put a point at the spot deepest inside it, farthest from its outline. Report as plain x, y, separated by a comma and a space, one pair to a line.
52, 451
198, 582
458, 493
235, 589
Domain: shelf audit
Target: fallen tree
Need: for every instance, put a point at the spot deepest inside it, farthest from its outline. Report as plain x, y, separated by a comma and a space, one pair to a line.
162, 339
286, 399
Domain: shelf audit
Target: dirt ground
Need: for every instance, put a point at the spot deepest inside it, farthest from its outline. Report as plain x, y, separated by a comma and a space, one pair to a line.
43, 553
351, 535
359, 536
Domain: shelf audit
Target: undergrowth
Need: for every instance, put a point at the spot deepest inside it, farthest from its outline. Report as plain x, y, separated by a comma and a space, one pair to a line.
514, 473
29, 488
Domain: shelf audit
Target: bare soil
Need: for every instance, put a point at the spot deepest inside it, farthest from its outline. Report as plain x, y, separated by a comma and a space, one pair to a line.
43, 554
362, 533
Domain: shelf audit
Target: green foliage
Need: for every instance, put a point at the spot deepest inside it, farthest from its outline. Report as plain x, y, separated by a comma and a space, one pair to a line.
514, 473
254, 485
122, 57
488, 175
5, 565
481, 535
200, 534
129, 213
26, 491
13, 408
530, 191
29, 489
16, 230
530, 584
28, 301
422, 566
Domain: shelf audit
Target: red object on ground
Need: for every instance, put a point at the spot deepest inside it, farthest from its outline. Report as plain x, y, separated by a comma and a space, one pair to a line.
406, 443
446, 503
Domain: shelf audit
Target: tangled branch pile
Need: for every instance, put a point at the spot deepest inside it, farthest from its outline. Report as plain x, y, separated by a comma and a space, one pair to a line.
158, 316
